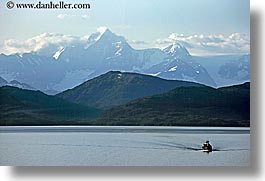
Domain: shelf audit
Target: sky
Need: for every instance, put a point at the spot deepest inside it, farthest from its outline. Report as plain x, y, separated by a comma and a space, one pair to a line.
202, 25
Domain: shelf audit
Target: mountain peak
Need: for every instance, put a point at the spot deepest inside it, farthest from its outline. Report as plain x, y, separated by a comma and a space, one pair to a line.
177, 50
102, 30
105, 35
114, 72
115, 88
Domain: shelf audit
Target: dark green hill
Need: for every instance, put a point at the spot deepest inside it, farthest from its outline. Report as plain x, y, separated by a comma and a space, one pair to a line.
186, 106
117, 88
26, 107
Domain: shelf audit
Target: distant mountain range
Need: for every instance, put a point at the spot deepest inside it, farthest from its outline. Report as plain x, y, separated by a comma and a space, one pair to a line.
227, 70
116, 88
15, 83
134, 99
105, 51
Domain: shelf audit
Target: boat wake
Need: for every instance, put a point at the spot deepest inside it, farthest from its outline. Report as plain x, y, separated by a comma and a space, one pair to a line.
149, 145
196, 147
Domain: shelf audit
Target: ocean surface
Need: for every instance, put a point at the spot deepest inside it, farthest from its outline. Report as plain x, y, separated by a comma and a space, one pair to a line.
123, 146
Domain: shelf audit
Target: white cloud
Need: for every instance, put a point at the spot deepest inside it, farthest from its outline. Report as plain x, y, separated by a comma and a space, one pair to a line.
45, 43
66, 16
85, 16
48, 43
210, 44
138, 42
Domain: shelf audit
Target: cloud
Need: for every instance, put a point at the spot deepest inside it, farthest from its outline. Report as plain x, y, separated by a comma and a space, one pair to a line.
66, 16
48, 43
138, 42
84, 16
45, 43
235, 43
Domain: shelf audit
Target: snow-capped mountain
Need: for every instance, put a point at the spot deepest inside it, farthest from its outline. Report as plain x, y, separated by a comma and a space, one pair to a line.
227, 70
38, 71
180, 65
103, 51
15, 83
238, 70
3, 82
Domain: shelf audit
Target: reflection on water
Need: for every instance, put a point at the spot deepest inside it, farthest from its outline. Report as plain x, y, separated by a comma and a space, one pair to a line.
123, 146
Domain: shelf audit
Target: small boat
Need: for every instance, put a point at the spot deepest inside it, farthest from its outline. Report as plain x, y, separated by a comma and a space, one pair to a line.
207, 147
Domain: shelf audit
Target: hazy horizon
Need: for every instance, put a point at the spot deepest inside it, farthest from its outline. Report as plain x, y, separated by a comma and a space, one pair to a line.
207, 27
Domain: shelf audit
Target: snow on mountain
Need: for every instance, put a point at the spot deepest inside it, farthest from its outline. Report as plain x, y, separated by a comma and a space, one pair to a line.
15, 83
236, 70
173, 69
177, 51
3, 82
101, 52
179, 65
95, 37
227, 70
58, 53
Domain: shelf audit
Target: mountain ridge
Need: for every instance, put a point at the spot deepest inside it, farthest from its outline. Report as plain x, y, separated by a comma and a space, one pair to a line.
15, 83
104, 51
27, 107
115, 88
185, 106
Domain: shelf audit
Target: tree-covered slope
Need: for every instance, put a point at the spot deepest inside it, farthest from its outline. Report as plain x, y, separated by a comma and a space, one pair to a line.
186, 106
26, 107
117, 88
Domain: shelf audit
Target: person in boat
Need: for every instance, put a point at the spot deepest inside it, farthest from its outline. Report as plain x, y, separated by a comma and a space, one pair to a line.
207, 146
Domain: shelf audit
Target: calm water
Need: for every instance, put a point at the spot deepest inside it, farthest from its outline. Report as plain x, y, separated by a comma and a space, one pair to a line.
123, 146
